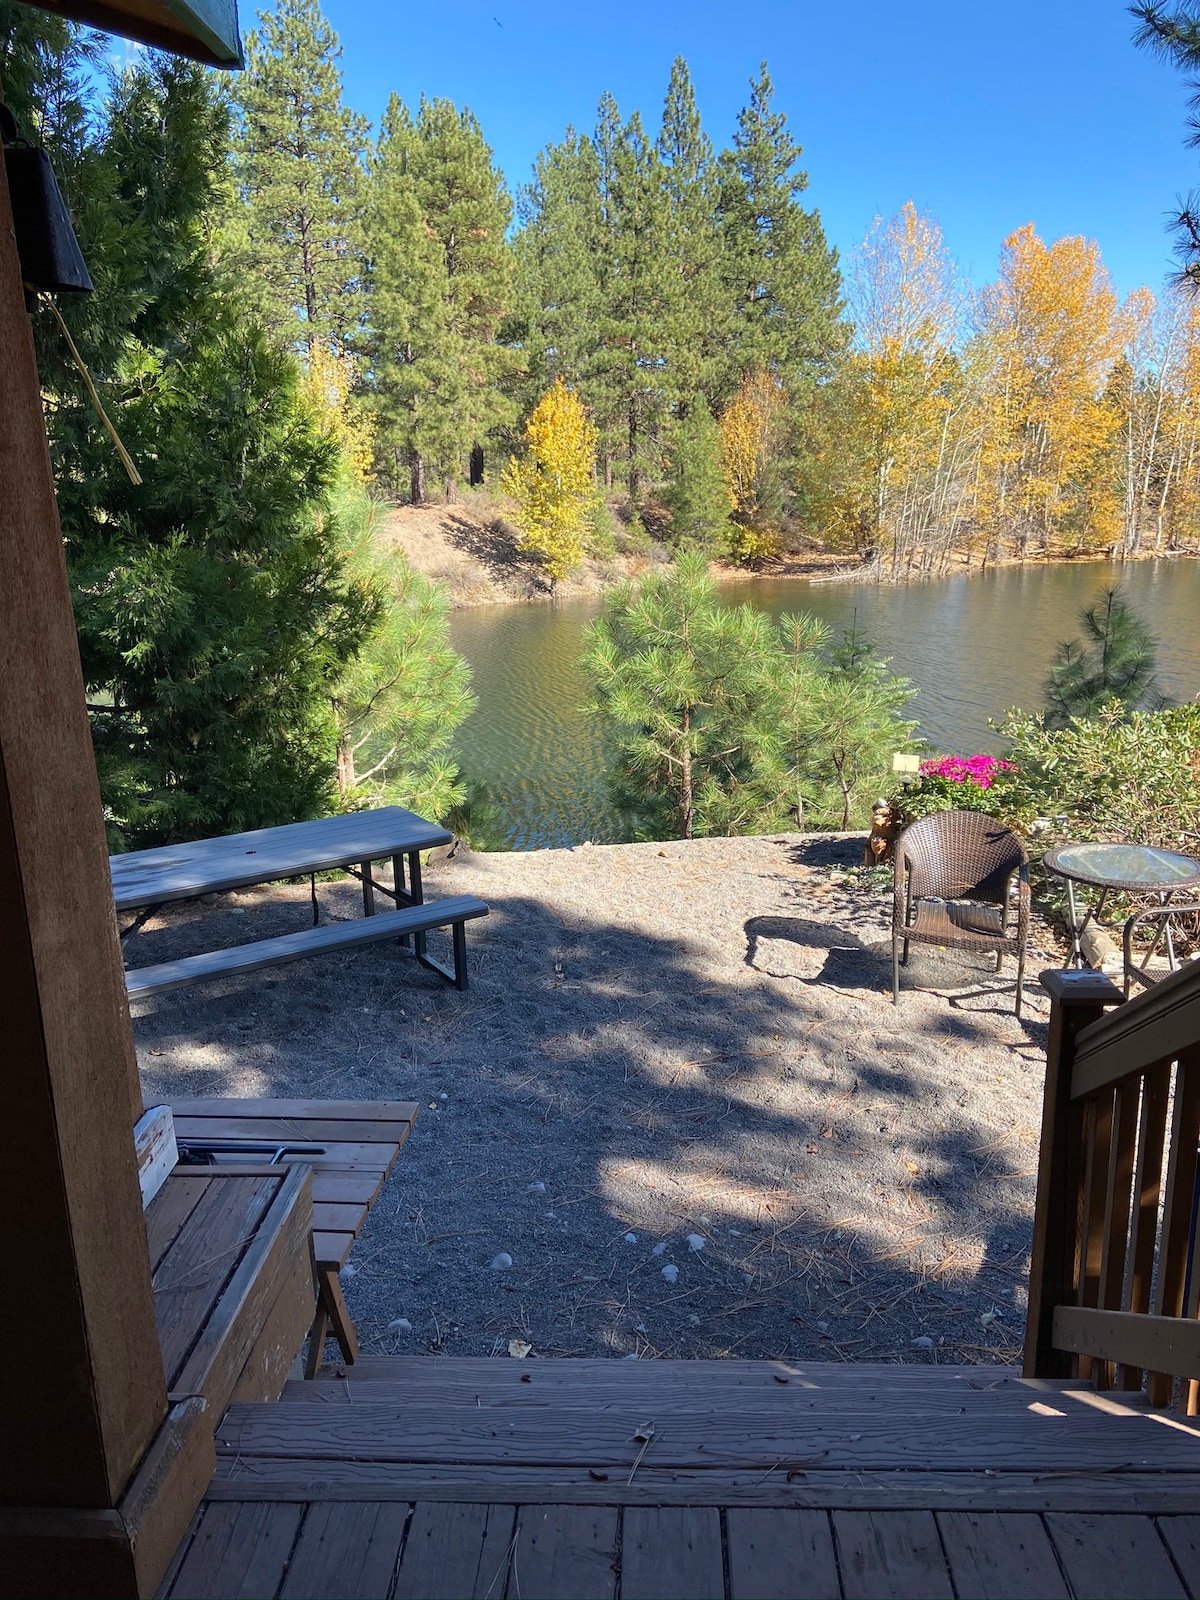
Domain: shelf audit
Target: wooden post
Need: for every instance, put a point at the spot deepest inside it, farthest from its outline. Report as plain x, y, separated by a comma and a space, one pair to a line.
1076, 998
85, 1397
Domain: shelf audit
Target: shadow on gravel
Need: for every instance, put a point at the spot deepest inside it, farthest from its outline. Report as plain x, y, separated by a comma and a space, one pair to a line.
829, 1177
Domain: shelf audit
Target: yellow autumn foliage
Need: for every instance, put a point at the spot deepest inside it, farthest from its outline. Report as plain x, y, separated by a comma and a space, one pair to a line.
750, 427
327, 382
552, 481
1054, 332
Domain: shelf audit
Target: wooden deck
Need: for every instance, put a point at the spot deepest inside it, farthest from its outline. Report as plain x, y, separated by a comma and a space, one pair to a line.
518, 1480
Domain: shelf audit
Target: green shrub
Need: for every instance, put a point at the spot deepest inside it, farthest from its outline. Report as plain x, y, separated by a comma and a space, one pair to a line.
1111, 776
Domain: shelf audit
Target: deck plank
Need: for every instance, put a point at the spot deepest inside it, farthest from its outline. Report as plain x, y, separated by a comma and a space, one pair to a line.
569, 1552
994, 1555
1114, 1557
672, 1553
239, 1552
781, 1555
1182, 1537
456, 1552
346, 1551
890, 1555
768, 1434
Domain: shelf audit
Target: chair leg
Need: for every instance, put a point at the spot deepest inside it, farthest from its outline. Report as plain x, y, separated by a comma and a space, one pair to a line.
999, 960
1020, 978
904, 957
895, 970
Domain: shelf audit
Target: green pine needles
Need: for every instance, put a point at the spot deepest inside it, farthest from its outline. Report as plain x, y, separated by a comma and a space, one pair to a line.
1114, 661
724, 724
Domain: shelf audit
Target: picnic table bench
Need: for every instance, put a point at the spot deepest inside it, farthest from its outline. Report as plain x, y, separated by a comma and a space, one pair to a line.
350, 1145
144, 880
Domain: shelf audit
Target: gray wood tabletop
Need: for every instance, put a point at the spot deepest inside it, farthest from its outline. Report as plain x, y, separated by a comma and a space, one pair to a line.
208, 866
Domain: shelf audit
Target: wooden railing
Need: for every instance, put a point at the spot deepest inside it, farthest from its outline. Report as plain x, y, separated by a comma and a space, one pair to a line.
1113, 1291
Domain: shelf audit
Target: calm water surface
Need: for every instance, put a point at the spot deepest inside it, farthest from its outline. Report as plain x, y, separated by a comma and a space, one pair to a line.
973, 646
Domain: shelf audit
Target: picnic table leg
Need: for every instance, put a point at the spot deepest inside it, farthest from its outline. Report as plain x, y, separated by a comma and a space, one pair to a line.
400, 894
415, 894
368, 889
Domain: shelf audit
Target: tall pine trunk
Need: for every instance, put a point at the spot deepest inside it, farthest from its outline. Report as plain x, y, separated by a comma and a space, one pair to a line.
685, 779
416, 478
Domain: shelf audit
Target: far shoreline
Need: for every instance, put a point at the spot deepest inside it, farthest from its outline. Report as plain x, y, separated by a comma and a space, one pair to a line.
460, 547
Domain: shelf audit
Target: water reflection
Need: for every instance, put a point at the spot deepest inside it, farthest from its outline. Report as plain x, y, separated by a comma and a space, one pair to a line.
973, 646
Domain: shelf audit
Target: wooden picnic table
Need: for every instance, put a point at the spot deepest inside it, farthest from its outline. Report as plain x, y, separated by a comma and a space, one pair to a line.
149, 878
144, 880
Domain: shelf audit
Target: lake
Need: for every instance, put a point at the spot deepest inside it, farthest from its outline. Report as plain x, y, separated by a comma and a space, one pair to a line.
973, 645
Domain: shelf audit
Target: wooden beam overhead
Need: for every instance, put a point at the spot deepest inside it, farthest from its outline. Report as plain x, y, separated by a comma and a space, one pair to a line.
206, 30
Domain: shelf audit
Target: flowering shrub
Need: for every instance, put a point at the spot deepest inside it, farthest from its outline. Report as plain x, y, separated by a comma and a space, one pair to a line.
979, 770
955, 783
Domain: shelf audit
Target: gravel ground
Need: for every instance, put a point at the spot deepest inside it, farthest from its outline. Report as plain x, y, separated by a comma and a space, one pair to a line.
677, 1096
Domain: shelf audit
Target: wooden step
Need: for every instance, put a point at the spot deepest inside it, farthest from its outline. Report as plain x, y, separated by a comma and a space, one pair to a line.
979, 1430
464, 1378
241, 958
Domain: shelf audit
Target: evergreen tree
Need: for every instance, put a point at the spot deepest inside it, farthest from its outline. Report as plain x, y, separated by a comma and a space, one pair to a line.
857, 712
1173, 31
441, 282
694, 323
626, 390
557, 260
696, 491
294, 244
407, 692
684, 684
213, 612
783, 277
1115, 661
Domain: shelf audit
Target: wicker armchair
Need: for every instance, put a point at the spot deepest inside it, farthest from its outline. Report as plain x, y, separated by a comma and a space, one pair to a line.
954, 872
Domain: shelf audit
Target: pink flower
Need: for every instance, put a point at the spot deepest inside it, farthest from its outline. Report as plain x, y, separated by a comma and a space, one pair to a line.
980, 770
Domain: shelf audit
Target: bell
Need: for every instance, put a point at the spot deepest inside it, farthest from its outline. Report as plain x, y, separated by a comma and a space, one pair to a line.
47, 248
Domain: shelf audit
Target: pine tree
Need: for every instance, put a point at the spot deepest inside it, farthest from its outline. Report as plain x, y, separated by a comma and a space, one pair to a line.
694, 322
1173, 32
696, 491
407, 692
1115, 661
213, 612
684, 685
782, 276
441, 285
626, 391
557, 261
296, 246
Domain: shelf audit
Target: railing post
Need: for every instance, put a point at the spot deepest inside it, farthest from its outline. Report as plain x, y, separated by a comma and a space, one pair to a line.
1076, 998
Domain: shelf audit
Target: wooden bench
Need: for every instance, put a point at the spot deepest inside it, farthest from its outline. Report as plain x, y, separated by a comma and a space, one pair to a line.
454, 912
350, 1145
233, 1286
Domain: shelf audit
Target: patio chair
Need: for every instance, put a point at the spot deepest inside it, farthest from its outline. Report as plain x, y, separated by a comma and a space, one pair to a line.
954, 876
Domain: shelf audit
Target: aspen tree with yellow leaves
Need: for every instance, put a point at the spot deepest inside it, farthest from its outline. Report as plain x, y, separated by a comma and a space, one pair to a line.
327, 384
751, 438
1052, 333
553, 480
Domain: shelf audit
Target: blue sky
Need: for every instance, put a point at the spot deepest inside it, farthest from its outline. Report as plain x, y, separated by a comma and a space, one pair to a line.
989, 116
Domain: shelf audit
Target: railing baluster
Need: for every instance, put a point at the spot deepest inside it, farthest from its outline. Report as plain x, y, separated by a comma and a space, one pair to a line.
1076, 1000
1114, 1230
1097, 1136
1147, 1181
1179, 1189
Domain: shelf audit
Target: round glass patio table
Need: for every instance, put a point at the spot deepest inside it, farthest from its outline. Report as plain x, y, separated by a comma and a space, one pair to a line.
1134, 869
